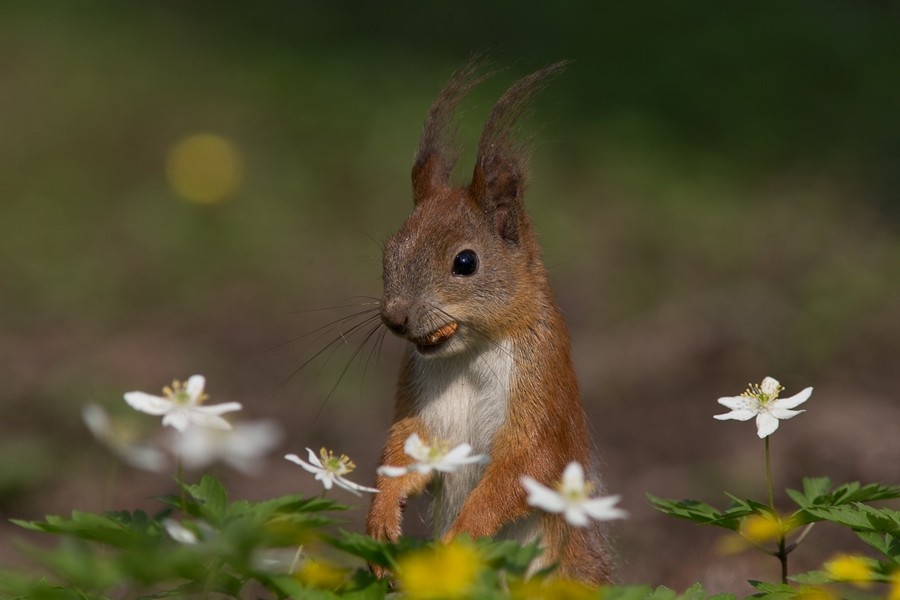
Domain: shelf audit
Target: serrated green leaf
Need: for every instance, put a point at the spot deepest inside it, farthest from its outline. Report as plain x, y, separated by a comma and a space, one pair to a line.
212, 497
811, 578
662, 593
700, 512
362, 546
774, 591
813, 487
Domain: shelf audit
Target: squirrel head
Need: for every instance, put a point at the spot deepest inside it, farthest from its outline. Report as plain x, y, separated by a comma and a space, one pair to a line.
464, 269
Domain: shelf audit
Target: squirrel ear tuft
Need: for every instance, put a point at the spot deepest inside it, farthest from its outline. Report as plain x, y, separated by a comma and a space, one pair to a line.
438, 149
498, 183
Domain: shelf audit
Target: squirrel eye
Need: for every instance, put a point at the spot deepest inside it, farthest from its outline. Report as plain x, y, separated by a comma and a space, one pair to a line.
465, 263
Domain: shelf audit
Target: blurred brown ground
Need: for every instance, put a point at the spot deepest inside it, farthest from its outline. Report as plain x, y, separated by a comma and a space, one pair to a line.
705, 225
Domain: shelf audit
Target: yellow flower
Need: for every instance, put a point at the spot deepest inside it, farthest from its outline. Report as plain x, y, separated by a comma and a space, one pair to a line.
319, 574
764, 527
446, 572
894, 592
814, 593
553, 589
856, 569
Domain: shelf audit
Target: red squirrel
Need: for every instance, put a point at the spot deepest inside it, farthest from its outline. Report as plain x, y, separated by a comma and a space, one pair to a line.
488, 361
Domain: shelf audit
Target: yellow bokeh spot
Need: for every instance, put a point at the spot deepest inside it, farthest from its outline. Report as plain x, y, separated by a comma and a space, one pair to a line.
814, 593
204, 168
319, 574
894, 593
553, 589
444, 572
855, 569
764, 527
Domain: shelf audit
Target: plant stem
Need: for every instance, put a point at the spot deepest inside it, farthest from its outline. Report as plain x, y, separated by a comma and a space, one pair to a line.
296, 560
179, 475
783, 557
781, 553
769, 475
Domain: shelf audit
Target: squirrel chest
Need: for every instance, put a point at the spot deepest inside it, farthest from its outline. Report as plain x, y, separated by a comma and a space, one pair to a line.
464, 399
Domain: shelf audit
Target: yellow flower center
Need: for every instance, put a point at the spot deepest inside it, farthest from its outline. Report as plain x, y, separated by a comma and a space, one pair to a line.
177, 393
339, 465
755, 392
438, 450
575, 494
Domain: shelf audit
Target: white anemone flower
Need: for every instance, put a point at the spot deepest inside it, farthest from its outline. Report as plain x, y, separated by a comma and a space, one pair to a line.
194, 533
181, 405
572, 498
762, 401
180, 533
437, 457
122, 440
330, 470
242, 447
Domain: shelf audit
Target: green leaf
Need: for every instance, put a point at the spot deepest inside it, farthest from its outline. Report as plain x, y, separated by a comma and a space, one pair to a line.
662, 593
813, 487
700, 512
211, 496
816, 493
509, 555
116, 529
374, 551
775, 591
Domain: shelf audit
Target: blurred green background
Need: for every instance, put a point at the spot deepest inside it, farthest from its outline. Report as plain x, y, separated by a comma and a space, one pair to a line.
716, 188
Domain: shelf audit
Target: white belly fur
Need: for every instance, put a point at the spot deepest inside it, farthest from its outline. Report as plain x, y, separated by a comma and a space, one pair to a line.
464, 399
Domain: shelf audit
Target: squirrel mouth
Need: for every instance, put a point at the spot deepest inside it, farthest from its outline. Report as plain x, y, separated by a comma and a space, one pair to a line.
435, 339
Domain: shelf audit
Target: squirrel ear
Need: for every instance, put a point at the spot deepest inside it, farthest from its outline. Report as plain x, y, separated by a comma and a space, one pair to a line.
430, 173
438, 150
498, 187
498, 183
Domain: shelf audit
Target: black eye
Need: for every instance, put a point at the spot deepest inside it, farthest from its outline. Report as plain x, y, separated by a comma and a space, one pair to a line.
465, 263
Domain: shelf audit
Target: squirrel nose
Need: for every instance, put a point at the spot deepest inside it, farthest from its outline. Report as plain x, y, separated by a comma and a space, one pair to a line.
395, 316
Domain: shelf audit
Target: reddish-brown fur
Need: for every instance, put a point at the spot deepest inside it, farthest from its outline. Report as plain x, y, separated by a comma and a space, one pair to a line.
544, 426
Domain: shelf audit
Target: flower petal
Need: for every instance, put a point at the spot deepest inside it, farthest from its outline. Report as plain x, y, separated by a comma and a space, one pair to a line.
179, 532
415, 447
604, 509
784, 413
144, 457
795, 400
299, 461
458, 453
147, 403
327, 479
313, 459
353, 487
770, 387
739, 403
540, 496
573, 477
217, 409
576, 516
766, 424
389, 471
178, 418
194, 388
204, 419
737, 415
